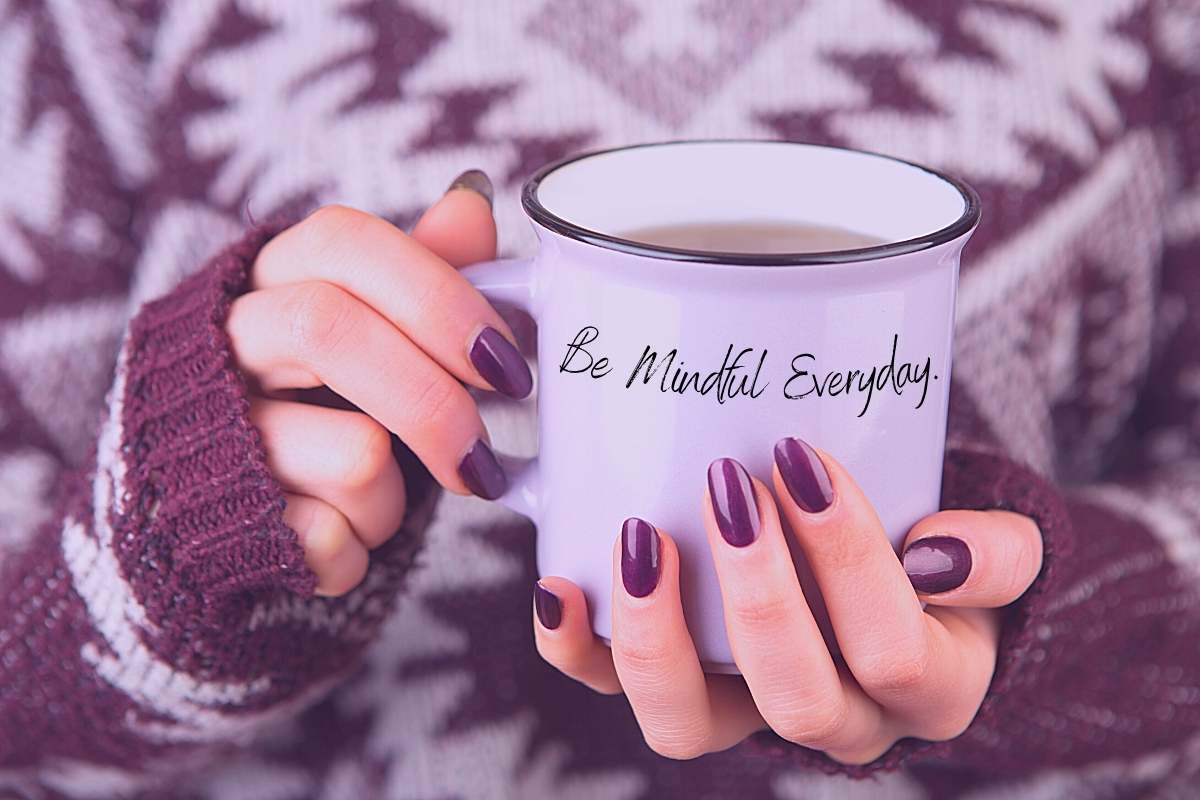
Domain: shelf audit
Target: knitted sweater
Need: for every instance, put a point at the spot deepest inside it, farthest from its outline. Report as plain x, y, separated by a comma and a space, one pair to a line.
159, 635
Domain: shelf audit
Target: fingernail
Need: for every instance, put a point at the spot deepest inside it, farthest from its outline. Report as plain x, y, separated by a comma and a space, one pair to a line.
803, 474
733, 501
639, 557
937, 564
501, 364
548, 607
477, 181
482, 473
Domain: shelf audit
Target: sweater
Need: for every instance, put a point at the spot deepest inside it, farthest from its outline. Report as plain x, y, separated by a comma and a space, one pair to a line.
159, 633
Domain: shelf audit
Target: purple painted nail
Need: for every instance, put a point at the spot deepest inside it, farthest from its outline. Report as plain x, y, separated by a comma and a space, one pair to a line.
803, 474
482, 473
477, 181
639, 557
733, 501
548, 607
501, 364
937, 564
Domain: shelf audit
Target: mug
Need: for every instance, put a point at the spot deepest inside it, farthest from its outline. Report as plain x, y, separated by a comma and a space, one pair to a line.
654, 361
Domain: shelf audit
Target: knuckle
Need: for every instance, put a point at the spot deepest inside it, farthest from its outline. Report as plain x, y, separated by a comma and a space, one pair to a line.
438, 295
817, 727
330, 226
762, 615
435, 402
644, 658
370, 454
846, 553
898, 672
320, 315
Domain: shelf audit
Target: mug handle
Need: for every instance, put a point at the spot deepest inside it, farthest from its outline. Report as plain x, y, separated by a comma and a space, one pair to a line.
510, 280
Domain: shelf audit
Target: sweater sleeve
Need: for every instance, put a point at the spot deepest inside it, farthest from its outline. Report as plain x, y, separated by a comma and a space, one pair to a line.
1097, 661
165, 609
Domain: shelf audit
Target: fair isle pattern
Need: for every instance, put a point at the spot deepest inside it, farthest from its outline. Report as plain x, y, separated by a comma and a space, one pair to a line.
136, 138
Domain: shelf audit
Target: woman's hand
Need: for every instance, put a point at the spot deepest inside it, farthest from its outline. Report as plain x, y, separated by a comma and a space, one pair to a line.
346, 300
903, 670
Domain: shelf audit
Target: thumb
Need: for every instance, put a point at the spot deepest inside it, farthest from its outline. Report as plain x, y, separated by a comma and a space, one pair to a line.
974, 559
459, 227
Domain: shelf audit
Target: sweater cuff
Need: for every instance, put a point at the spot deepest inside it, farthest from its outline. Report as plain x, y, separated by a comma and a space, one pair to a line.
977, 480
200, 515
980, 481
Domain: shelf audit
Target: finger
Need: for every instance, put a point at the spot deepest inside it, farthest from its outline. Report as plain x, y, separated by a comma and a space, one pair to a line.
979, 559
460, 227
656, 659
891, 648
775, 639
564, 636
410, 286
342, 457
315, 333
331, 549
965, 644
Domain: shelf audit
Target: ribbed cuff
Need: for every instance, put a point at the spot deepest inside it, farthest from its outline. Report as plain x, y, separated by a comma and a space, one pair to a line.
976, 480
202, 515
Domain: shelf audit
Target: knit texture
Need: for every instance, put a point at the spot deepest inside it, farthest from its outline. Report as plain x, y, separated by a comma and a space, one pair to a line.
171, 610
199, 482
158, 633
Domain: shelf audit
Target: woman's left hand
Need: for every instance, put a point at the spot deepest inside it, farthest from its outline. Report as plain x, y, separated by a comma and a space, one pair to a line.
903, 670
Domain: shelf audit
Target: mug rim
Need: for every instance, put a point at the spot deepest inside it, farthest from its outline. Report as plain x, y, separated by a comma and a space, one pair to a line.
537, 212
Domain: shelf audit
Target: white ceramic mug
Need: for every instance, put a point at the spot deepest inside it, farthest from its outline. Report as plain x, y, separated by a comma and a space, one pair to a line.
776, 329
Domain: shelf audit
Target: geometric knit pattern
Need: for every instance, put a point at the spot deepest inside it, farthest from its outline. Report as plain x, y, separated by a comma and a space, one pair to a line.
158, 632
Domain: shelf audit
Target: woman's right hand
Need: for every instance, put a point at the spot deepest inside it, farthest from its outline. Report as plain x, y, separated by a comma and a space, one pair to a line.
917, 636
346, 300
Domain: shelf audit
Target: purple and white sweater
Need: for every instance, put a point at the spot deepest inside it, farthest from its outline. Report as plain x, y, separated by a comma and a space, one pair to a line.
158, 632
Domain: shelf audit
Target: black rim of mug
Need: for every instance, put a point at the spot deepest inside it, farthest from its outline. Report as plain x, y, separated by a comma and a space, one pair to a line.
548, 219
